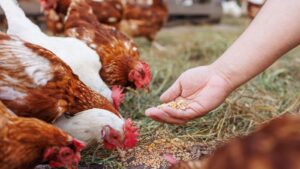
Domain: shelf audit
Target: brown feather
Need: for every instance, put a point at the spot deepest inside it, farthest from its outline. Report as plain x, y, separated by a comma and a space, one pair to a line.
24, 140
105, 11
144, 20
275, 146
108, 12
118, 53
64, 92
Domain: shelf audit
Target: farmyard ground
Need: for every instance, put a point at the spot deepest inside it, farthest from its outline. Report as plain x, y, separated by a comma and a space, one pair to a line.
274, 92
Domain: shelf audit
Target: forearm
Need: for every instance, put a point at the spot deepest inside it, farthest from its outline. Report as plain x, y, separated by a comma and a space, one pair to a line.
275, 31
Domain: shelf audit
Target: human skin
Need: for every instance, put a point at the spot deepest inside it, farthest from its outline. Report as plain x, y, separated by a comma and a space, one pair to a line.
274, 31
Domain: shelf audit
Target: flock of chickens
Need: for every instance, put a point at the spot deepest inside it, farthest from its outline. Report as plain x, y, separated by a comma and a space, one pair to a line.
133, 17
59, 94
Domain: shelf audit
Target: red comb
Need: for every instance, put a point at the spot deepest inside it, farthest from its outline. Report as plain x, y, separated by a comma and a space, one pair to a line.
78, 145
131, 134
117, 96
49, 152
148, 75
108, 146
55, 164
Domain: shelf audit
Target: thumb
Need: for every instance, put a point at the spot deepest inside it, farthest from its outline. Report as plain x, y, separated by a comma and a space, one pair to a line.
172, 93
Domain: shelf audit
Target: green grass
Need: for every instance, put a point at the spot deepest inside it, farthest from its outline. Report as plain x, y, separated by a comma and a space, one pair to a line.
274, 92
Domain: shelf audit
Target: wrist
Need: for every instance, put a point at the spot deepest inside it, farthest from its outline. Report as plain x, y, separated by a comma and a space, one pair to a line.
227, 73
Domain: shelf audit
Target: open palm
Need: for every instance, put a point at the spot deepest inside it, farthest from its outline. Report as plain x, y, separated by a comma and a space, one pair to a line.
202, 88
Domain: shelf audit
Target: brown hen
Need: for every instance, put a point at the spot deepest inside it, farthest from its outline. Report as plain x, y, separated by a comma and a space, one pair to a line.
144, 20
55, 11
109, 12
121, 63
36, 83
27, 142
275, 146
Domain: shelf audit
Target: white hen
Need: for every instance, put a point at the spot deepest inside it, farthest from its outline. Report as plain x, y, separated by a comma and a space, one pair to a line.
88, 125
83, 60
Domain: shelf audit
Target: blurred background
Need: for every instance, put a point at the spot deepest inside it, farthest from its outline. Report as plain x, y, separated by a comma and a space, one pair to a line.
180, 11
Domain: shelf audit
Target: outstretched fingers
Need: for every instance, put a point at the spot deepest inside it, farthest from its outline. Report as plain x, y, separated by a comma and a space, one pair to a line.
161, 116
172, 93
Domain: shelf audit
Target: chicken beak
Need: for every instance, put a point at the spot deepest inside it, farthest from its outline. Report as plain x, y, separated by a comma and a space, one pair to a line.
104, 132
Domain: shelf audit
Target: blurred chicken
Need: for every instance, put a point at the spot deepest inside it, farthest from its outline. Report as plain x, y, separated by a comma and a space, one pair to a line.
275, 146
144, 19
35, 83
109, 12
27, 142
253, 7
55, 11
121, 62
83, 61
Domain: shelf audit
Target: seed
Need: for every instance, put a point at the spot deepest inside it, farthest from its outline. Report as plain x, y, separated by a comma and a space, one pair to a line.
179, 105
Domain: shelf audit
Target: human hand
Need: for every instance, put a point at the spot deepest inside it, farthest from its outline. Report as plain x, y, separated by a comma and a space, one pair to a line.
202, 88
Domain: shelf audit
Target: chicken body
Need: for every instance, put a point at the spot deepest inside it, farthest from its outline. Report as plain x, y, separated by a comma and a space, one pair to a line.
144, 20
35, 83
26, 142
121, 63
276, 145
83, 61
109, 12
55, 12
88, 125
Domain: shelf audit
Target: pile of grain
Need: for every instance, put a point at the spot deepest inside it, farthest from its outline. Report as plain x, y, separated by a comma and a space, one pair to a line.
152, 155
179, 105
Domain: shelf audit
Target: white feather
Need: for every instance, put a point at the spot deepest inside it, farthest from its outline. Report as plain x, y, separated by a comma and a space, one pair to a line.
15, 54
87, 125
36, 67
7, 93
83, 60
